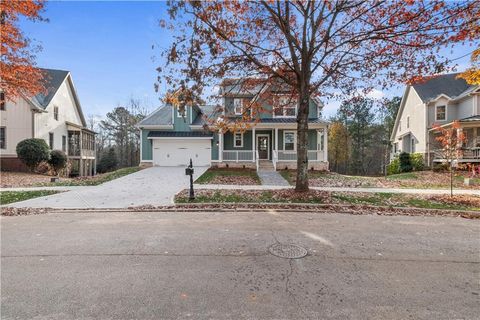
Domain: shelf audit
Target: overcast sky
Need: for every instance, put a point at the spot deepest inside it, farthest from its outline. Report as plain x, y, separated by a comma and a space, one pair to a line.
107, 46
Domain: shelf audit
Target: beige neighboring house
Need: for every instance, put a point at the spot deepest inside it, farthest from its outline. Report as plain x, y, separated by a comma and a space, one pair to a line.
55, 117
440, 100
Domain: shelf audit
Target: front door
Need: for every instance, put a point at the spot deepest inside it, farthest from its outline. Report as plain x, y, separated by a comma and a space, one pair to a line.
262, 147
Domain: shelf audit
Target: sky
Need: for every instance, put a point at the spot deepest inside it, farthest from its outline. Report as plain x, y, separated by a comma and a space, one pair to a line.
107, 47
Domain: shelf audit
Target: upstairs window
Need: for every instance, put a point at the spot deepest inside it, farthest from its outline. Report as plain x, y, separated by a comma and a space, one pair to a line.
55, 113
64, 143
50, 140
2, 101
3, 140
289, 141
238, 140
238, 106
179, 113
440, 113
285, 106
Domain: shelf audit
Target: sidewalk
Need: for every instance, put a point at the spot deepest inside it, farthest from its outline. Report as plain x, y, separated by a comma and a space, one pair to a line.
337, 189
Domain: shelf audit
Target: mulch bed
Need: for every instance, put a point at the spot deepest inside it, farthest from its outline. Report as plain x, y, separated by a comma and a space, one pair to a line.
260, 207
23, 179
234, 180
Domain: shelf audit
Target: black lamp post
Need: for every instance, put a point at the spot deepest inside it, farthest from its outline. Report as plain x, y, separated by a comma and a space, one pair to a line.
189, 172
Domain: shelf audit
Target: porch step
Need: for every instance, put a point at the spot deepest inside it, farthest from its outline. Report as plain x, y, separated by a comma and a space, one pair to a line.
265, 166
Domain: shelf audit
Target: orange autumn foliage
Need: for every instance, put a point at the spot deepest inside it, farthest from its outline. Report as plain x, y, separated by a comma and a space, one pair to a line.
472, 74
18, 74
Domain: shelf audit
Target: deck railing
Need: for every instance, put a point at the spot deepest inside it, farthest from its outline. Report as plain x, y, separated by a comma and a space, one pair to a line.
313, 155
237, 155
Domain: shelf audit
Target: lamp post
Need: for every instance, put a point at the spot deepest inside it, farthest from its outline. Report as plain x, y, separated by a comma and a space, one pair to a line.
189, 172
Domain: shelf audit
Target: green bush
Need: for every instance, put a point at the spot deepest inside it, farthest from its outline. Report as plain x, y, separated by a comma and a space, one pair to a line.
405, 163
32, 152
394, 167
57, 161
417, 162
108, 161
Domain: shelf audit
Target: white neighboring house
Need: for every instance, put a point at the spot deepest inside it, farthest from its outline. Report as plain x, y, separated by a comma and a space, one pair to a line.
55, 117
440, 100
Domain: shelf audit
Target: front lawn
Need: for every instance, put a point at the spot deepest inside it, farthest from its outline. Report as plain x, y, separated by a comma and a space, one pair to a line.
95, 180
394, 200
413, 180
229, 176
7, 197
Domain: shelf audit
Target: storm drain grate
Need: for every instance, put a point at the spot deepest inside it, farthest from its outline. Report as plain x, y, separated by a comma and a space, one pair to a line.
288, 251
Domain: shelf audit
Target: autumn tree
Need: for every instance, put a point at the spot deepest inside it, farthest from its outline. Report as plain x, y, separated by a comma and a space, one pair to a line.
315, 48
19, 75
472, 74
451, 140
338, 141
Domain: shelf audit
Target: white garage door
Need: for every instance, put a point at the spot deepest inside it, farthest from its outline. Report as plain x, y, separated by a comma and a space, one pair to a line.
177, 152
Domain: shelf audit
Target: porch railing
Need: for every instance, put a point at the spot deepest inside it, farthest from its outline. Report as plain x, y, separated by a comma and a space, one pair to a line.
467, 153
313, 155
257, 159
237, 155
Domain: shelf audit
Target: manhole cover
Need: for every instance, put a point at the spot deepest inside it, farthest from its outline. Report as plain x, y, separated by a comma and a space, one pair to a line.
289, 251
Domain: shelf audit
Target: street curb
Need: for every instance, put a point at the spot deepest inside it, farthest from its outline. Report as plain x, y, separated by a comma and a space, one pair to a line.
258, 207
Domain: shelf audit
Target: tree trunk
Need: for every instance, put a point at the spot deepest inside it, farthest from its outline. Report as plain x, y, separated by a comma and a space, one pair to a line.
302, 143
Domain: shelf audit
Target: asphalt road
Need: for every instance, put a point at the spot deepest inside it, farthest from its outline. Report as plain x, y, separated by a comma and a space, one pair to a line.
217, 266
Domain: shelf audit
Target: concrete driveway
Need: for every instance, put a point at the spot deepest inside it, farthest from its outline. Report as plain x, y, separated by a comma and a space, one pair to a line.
152, 186
217, 265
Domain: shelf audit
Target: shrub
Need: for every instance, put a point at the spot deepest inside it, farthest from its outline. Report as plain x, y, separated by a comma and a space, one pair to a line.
58, 160
416, 159
32, 152
394, 167
405, 163
440, 167
108, 161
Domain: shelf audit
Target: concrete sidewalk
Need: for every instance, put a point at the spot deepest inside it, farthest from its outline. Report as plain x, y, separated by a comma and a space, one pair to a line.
337, 189
56, 188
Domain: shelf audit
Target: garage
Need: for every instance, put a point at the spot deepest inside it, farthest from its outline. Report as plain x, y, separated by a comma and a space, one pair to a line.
177, 151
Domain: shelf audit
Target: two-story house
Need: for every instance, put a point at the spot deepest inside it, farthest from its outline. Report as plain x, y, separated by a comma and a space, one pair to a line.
55, 116
170, 138
440, 100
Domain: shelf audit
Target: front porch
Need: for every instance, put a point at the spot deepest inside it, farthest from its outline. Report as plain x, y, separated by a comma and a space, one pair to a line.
470, 148
258, 147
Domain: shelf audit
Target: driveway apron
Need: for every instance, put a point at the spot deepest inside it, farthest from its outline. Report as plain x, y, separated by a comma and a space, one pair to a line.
152, 186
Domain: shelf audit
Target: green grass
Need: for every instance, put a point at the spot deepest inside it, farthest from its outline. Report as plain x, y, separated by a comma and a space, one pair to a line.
263, 197
7, 197
96, 180
211, 174
403, 176
376, 199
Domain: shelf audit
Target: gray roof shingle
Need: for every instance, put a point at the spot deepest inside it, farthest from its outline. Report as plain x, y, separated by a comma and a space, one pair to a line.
163, 116
53, 79
443, 84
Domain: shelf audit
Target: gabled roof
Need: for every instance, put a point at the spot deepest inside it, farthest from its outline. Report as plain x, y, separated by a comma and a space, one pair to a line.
161, 116
470, 119
53, 79
446, 84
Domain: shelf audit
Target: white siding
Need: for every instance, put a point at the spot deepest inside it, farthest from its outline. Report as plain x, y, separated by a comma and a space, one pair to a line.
414, 109
17, 119
67, 111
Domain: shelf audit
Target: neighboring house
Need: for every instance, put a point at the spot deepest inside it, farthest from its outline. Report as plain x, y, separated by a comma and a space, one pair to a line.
440, 100
55, 116
171, 139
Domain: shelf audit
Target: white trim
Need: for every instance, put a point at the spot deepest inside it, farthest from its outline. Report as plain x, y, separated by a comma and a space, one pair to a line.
191, 115
294, 140
146, 161
283, 111
235, 138
151, 126
180, 138
268, 144
241, 106
446, 110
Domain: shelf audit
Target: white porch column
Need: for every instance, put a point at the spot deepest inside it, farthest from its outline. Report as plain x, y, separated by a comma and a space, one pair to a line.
325, 144
276, 140
253, 145
220, 146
